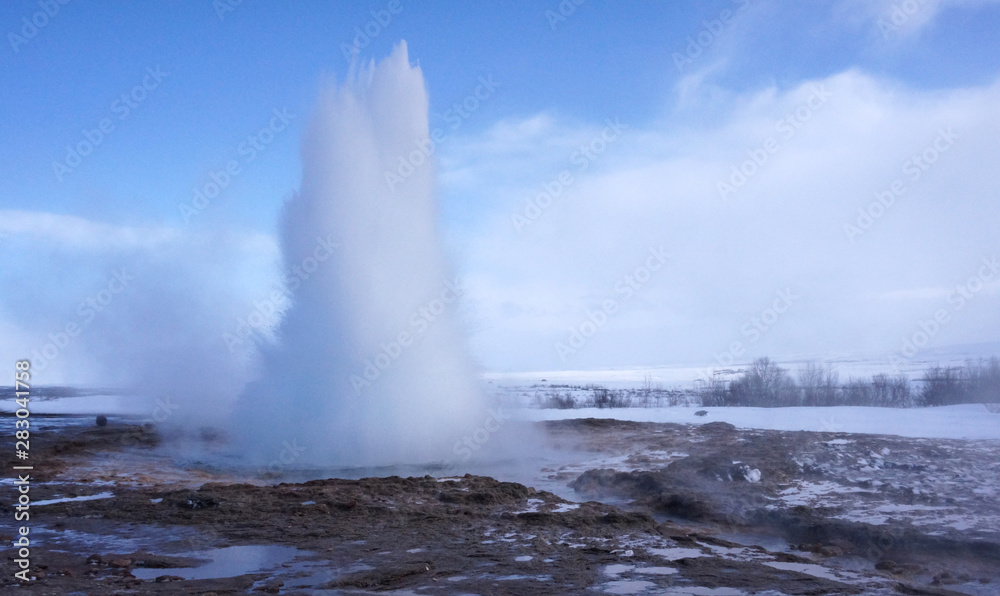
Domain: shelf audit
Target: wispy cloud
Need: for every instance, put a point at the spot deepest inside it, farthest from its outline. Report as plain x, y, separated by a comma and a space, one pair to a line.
900, 20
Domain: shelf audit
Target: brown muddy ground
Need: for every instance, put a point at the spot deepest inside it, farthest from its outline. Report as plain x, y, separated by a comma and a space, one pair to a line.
842, 514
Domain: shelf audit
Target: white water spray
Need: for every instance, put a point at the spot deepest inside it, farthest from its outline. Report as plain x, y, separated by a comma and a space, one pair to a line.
371, 366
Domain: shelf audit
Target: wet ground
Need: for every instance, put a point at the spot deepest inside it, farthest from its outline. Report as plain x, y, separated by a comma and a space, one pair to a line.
654, 509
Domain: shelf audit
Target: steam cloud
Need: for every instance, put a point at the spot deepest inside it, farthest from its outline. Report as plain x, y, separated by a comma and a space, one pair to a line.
369, 367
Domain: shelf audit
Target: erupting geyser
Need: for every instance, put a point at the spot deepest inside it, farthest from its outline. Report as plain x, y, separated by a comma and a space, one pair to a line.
370, 366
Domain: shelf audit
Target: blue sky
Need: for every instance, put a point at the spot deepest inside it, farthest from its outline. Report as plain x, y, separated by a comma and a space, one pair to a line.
560, 81
225, 75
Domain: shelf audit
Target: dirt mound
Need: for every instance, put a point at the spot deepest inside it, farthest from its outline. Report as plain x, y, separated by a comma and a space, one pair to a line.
717, 427
594, 424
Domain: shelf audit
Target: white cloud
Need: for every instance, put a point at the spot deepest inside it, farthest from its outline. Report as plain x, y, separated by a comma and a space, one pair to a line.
80, 233
783, 229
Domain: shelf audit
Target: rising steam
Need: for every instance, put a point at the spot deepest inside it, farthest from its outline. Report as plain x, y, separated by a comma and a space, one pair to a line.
370, 366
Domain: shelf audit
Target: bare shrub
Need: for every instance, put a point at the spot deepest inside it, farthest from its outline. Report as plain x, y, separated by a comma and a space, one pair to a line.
559, 401
857, 392
820, 386
764, 384
715, 393
984, 382
943, 386
602, 397
891, 392
977, 382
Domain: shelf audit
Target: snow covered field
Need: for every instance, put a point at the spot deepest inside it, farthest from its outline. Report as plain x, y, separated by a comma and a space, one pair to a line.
684, 376
968, 421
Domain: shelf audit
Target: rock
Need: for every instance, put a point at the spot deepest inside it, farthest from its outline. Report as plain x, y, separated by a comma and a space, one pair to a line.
831, 551
120, 562
102, 420
701, 413
749, 474
168, 578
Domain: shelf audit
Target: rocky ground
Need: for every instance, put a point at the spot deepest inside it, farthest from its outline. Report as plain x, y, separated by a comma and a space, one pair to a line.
663, 509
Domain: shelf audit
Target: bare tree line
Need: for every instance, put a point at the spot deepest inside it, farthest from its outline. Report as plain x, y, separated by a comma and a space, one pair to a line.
765, 384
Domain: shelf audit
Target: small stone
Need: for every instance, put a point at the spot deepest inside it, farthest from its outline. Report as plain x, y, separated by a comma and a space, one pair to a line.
102, 420
831, 551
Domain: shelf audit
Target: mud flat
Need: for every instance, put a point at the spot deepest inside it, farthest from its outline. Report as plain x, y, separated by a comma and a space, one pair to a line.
699, 510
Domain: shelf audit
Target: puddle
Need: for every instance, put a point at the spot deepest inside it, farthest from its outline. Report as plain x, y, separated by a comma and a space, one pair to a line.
628, 586
701, 591
104, 495
123, 538
533, 505
617, 569
657, 570
807, 568
227, 562
309, 574
771, 543
509, 578
675, 554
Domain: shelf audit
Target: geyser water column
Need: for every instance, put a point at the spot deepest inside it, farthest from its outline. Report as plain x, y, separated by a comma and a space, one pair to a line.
371, 366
